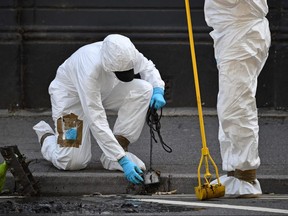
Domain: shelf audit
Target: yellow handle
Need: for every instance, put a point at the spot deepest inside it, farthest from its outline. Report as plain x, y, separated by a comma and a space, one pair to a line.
205, 155
195, 71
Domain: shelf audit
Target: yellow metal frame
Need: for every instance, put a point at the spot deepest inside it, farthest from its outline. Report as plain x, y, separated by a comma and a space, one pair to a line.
205, 155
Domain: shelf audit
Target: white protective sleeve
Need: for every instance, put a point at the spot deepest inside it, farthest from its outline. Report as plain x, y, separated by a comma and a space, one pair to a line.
148, 71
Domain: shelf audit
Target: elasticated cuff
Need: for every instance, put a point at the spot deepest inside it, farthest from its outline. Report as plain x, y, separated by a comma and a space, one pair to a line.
158, 90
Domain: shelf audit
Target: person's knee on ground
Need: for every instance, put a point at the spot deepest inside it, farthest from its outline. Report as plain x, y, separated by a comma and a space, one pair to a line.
70, 162
62, 158
69, 158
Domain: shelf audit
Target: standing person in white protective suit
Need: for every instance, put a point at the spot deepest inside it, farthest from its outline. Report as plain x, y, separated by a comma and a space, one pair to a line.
96, 78
241, 41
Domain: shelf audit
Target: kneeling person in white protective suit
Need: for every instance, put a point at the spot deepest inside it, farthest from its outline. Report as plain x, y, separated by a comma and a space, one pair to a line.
96, 78
241, 40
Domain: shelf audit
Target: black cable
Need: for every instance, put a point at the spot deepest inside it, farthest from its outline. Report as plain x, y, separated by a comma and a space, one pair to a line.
153, 121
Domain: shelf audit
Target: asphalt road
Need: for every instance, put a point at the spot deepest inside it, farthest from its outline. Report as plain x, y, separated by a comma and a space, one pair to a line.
185, 204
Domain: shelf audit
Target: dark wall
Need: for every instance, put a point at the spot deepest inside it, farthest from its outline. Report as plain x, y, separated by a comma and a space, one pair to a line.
36, 36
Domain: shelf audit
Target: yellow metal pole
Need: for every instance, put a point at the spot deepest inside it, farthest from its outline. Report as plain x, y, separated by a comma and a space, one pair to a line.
195, 72
206, 191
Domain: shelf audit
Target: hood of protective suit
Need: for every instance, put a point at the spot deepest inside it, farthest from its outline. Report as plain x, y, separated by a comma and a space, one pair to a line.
117, 53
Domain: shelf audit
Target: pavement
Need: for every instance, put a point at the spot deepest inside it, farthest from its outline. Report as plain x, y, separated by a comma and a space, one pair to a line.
180, 131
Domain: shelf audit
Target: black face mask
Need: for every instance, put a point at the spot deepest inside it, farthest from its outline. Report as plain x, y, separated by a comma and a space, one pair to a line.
125, 76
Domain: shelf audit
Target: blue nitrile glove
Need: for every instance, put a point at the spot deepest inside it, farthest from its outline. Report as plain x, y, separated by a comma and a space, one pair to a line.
131, 170
157, 98
71, 134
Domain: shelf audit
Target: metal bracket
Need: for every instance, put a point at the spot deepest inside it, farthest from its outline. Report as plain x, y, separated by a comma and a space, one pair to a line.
27, 185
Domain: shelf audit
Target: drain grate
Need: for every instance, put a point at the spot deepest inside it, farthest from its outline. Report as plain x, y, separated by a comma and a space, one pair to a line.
25, 182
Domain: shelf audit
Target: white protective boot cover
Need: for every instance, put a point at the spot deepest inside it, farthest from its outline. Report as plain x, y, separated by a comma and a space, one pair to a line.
42, 128
235, 187
110, 164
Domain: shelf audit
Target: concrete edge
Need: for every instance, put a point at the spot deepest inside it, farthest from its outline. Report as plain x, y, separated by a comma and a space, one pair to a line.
115, 183
178, 111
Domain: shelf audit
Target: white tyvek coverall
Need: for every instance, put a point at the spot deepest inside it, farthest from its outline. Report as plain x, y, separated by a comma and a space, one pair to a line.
86, 86
241, 40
